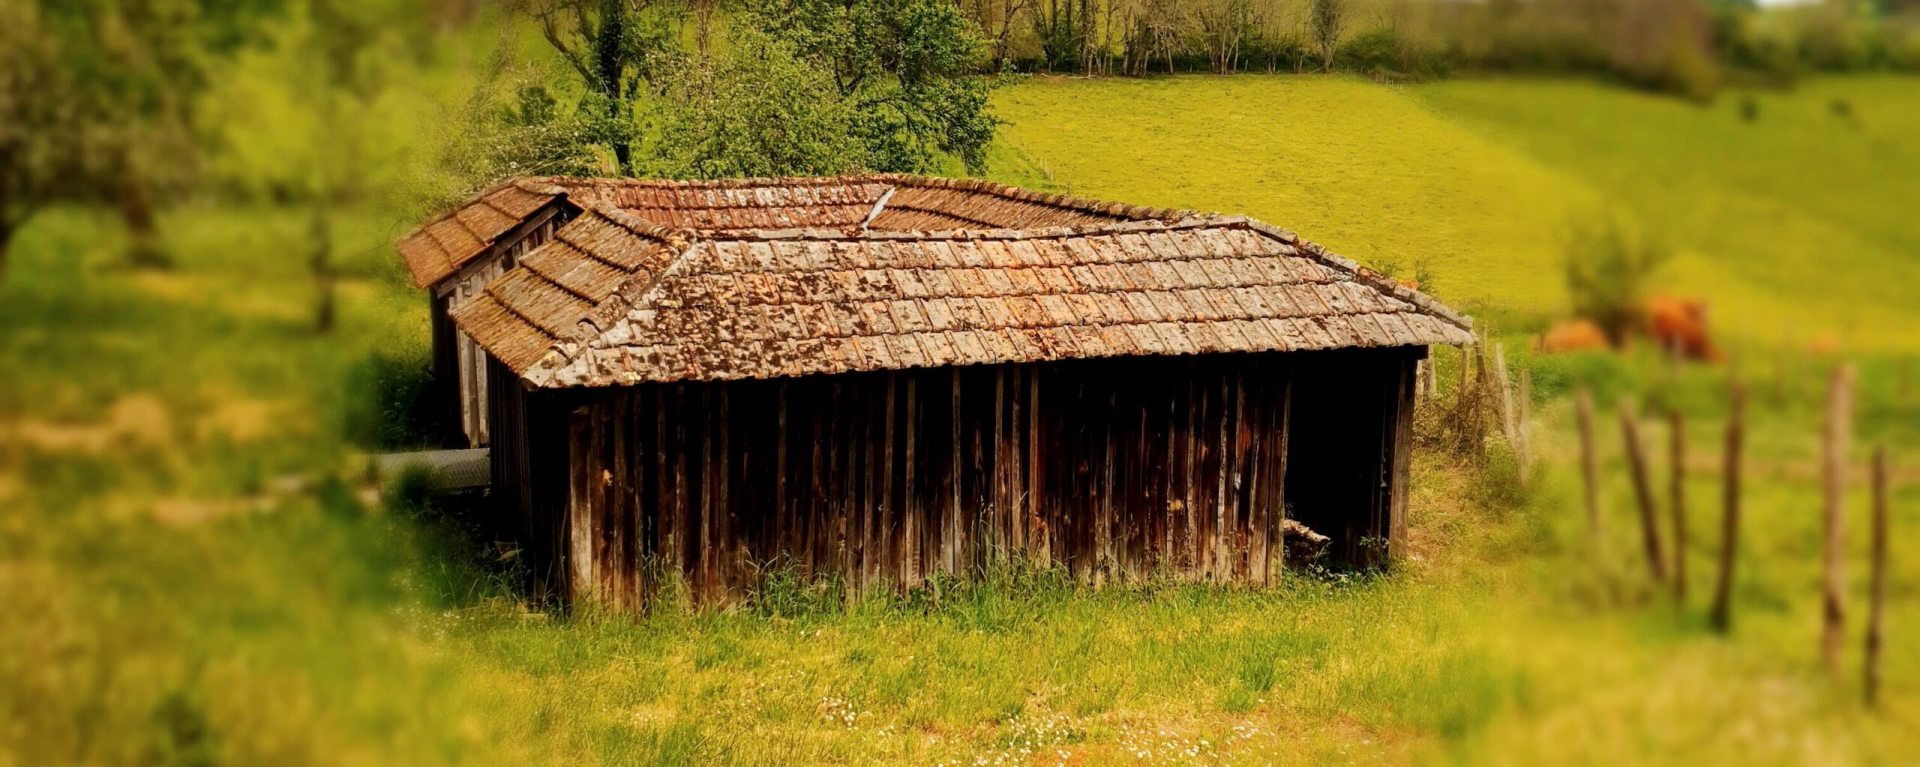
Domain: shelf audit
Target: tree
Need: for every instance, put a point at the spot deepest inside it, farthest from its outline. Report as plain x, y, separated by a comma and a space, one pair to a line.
1222, 25
1608, 269
896, 78
906, 69
756, 110
39, 127
996, 20
609, 44
1326, 21
138, 67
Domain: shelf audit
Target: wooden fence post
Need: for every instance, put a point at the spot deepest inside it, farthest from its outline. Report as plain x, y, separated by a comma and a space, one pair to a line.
1677, 498
1525, 417
1589, 466
1730, 511
1642, 491
1877, 593
1506, 397
1839, 414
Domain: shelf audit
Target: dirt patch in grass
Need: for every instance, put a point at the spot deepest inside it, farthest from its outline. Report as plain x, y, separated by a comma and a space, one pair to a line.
133, 421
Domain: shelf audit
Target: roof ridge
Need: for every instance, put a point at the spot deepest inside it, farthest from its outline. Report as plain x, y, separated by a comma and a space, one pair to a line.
1054, 199
1364, 275
1200, 221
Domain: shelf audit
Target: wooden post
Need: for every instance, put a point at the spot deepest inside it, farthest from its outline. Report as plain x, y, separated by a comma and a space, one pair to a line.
1643, 492
1506, 398
1730, 511
1589, 466
1677, 498
1523, 418
1877, 593
1839, 415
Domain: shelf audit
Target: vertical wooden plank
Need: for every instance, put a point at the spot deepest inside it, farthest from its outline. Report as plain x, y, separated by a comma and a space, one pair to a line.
709, 536
621, 559
1276, 521
883, 504
730, 549
1189, 561
996, 539
1402, 477
1240, 520
909, 508
1722, 615
1255, 391
1218, 558
950, 535
1016, 463
686, 553
1103, 563
783, 513
580, 514
1037, 528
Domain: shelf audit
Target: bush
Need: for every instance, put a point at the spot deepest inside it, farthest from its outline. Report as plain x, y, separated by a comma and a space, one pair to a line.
393, 402
1384, 54
1608, 268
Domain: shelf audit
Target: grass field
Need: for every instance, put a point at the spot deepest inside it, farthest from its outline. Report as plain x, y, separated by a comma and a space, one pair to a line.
197, 576
1482, 182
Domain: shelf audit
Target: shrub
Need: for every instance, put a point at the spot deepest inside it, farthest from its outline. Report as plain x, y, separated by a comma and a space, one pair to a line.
393, 402
1385, 54
1608, 268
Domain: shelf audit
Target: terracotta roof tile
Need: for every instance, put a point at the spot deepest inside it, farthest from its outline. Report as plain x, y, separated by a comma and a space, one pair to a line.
617, 297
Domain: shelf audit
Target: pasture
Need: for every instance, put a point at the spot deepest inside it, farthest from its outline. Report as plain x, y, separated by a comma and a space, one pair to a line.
198, 573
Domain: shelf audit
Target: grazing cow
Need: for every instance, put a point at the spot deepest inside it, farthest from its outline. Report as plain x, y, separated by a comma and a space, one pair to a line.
1573, 336
1680, 325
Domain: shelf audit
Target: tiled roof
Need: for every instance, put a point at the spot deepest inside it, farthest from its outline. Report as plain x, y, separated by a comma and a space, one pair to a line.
881, 202
440, 247
618, 300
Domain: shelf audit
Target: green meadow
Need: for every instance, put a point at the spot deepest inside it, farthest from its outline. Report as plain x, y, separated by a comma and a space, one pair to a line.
198, 570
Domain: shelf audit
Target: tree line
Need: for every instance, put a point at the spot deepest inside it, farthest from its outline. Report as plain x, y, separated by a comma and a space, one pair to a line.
107, 102
1689, 46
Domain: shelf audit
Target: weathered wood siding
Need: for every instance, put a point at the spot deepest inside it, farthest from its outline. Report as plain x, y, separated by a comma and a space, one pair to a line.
1113, 469
460, 363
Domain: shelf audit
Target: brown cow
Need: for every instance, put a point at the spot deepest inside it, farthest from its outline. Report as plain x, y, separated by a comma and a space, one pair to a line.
1573, 336
1680, 325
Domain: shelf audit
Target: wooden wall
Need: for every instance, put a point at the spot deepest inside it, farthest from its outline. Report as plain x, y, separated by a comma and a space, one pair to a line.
461, 365
1113, 469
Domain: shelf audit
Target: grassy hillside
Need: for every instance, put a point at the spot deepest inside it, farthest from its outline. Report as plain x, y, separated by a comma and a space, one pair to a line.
196, 573
1794, 224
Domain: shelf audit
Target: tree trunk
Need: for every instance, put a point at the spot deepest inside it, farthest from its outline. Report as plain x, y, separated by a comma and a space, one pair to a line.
321, 268
137, 211
7, 230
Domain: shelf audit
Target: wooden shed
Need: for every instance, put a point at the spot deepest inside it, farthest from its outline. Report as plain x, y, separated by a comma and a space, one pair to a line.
880, 378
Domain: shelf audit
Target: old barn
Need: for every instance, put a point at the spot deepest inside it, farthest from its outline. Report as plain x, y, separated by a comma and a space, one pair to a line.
879, 378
